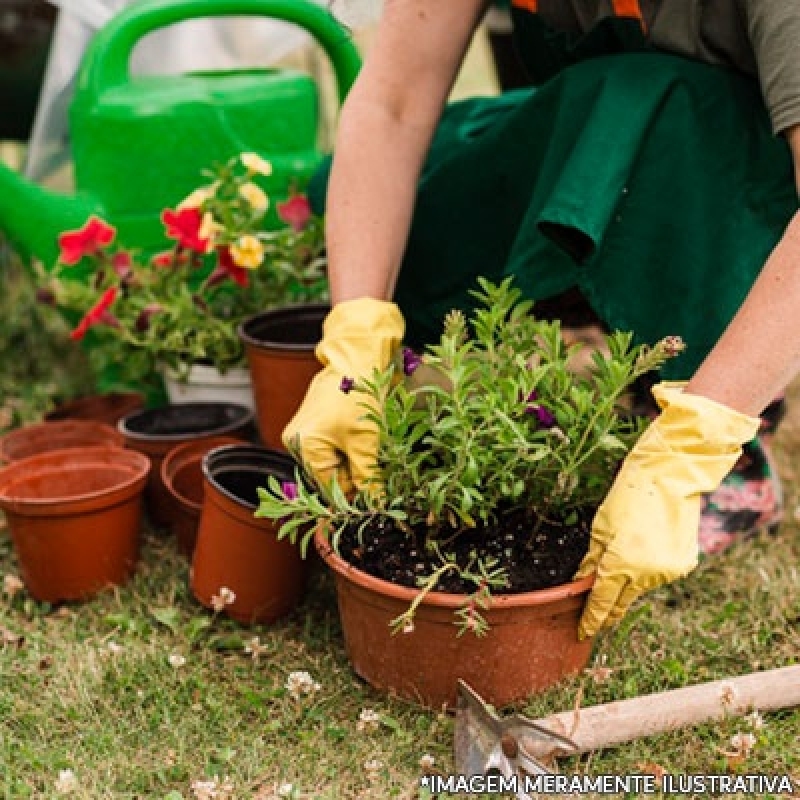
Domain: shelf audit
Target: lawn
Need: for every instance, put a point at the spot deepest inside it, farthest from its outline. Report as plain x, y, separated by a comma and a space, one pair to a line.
142, 693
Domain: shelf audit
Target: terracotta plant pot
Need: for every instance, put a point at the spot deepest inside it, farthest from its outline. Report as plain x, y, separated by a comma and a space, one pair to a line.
280, 352
74, 517
44, 437
182, 476
156, 431
107, 408
532, 641
239, 551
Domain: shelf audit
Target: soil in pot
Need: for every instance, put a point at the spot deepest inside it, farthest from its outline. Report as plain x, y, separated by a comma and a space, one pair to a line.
45, 437
238, 551
531, 642
74, 517
280, 353
156, 431
535, 553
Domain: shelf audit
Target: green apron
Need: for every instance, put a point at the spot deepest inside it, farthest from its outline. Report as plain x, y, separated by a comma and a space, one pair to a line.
650, 182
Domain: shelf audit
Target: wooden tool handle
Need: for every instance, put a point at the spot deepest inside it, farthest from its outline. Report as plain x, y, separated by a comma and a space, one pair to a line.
610, 724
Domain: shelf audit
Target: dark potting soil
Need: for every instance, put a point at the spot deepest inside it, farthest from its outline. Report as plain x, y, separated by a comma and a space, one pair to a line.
535, 553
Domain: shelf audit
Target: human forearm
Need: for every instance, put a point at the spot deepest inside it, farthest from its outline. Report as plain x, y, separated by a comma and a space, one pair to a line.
759, 353
370, 200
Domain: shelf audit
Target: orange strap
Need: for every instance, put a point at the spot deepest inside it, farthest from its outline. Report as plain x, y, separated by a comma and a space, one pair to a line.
622, 8
629, 8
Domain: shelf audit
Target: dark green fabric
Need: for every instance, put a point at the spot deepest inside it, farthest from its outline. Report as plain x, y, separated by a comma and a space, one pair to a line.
651, 182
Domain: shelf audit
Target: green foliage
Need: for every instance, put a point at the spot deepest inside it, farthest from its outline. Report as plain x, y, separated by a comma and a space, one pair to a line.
503, 422
184, 306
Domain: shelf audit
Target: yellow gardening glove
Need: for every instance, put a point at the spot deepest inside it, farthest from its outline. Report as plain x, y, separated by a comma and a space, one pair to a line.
645, 532
358, 337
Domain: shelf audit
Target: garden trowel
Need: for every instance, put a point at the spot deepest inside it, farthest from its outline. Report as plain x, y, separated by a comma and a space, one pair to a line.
515, 745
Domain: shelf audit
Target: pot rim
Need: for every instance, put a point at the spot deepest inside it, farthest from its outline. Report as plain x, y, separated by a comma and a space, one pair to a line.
250, 340
182, 455
243, 447
444, 600
246, 417
58, 427
134, 463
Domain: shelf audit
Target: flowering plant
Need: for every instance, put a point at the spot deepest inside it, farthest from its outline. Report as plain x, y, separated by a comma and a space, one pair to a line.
184, 305
488, 476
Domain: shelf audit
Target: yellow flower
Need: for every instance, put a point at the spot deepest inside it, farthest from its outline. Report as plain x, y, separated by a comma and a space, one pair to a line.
255, 196
198, 196
248, 252
255, 163
209, 228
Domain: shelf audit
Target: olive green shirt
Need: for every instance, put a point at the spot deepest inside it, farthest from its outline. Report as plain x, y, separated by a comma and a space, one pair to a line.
759, 37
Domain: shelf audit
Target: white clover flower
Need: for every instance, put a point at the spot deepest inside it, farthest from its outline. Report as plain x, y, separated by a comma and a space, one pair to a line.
12, 585
254, 648
114, 648
213, 789
373, 765
300, 684
226, 597
426, 762
755, 720
285, 790
743, 743
176, 660
368, 720
66, 783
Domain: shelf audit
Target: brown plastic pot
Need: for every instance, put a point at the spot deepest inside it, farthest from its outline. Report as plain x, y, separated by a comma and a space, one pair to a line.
74, 517
279, 345
182, 476
531, 645
44, 437
156, 431
107, 408
239, 551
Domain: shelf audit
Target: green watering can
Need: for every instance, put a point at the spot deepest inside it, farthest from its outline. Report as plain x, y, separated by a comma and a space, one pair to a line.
140, 143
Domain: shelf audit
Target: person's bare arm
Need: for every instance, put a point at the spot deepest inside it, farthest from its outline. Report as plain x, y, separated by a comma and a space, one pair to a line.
384, 133
759, 353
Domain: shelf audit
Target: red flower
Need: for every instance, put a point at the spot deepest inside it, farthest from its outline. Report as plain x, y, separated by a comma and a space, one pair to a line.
226, 268
88, 240
98, 314
296, 211
184, 225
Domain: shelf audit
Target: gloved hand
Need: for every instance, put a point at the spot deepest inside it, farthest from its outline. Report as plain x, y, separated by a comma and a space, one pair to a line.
358, 337
645, 532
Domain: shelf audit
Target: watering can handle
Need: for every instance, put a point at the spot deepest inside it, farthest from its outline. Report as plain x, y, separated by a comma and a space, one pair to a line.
107, 60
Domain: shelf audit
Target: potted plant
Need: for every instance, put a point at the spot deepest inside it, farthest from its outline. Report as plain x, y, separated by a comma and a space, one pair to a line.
176, 313
457, 560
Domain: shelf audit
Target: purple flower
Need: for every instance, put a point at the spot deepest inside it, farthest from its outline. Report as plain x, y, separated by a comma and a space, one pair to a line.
544, 416
289, 489
346, 385
411, 361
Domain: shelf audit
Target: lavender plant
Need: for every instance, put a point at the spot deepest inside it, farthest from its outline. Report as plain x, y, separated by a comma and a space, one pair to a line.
491, 422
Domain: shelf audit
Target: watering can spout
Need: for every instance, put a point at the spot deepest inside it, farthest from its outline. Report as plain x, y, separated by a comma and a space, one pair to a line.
32, 217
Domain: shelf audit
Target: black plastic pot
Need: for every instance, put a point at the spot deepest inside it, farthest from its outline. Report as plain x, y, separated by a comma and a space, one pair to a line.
156, 431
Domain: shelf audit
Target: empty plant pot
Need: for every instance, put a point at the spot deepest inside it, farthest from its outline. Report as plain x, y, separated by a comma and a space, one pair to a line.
74, 517
156, 431
44, 437
280, 353
238, 551
107, 408
182, 476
